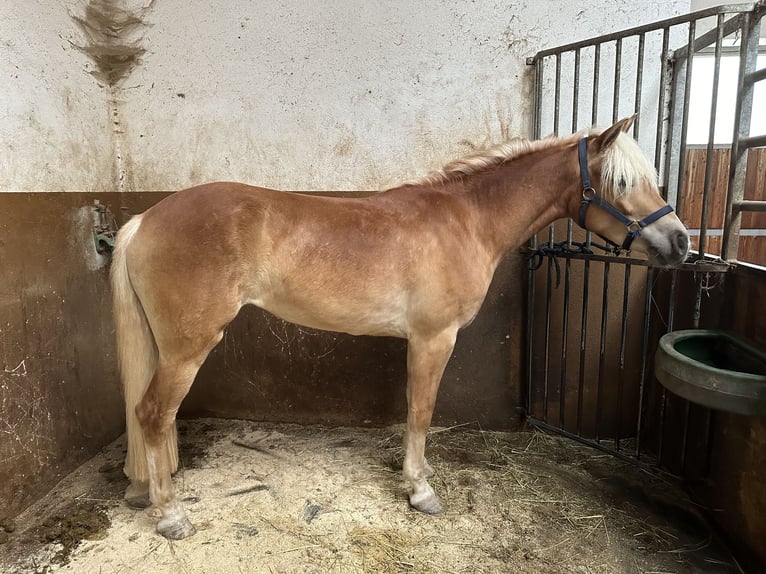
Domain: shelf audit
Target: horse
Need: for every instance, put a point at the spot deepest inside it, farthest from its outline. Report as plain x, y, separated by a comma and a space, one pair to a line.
414, 261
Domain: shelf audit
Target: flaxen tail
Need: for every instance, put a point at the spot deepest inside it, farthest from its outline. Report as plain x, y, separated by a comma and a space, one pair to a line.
136, 353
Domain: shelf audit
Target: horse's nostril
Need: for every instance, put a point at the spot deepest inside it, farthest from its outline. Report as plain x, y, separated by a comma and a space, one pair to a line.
682, 242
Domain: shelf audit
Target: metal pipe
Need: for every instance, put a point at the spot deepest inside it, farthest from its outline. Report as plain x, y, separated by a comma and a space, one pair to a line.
753, 141
547, 346
564, 339
711, 137
664, 72
639, 84
663, 396
685, 123
602, 350
757, 76
617, 78
576, 91
621, 366
742, 117
644, 356
750, 205
583, 341
557, 96
596, 79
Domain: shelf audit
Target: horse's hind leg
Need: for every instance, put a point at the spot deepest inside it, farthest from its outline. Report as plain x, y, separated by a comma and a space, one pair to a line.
426, 359
156, 413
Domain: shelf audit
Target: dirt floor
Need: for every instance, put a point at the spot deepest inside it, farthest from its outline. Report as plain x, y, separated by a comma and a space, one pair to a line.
291, 499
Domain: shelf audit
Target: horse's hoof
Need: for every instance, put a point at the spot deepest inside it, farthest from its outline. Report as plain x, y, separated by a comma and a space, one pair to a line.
429, 504
138, 502
178, 529
137, 495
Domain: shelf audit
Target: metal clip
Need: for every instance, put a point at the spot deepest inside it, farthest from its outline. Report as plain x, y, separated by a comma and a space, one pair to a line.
104, 228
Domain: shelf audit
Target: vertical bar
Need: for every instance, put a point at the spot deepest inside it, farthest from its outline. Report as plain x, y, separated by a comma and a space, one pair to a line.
568, 264
537, 128
576, 90
547, 328
564, 337
748, 53
665, 66
551, 240
602, 351
557, 95
596, 69
583, 340
644, 355
685, 436
621, 369
639, 84
530, 335
617, 74
709, 163
685, 120
669, 327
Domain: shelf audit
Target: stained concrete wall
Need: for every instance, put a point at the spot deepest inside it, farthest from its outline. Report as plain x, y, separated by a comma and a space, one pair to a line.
314, 95
54, 132
331, 95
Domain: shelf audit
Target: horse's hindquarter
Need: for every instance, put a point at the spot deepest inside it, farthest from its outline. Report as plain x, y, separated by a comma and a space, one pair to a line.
382, 265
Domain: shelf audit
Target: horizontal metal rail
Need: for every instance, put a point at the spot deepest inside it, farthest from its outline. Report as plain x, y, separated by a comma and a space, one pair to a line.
756, 76
750, 205
753, 141
699, 265
683, 19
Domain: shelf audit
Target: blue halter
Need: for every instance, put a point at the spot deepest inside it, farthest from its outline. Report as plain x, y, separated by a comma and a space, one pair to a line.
590, 196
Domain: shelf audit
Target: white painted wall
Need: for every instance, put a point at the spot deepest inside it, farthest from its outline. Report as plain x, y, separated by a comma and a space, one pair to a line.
294, 95
53, 121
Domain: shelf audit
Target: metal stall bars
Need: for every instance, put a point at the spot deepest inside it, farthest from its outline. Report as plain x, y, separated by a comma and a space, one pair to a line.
597, 387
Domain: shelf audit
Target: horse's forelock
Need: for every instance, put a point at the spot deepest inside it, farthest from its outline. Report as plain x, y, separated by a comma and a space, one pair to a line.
624, 167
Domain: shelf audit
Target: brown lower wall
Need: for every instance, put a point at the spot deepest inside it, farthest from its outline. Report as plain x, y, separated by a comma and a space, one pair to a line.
60, 399
737, 489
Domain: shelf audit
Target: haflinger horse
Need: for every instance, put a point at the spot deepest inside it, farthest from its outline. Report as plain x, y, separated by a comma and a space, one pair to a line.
414, 261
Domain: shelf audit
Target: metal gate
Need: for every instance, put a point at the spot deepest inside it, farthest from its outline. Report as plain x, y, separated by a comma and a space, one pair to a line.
594, 319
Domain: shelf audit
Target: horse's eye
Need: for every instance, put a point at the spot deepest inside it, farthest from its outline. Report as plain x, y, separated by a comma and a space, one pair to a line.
622, 183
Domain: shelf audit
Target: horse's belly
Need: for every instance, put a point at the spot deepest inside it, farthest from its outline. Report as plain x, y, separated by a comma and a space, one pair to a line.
361, 317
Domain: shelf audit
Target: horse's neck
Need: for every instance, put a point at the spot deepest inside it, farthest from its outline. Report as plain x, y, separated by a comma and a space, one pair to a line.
522, 196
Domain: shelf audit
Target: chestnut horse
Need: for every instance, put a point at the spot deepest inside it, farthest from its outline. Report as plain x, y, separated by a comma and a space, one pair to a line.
414, 262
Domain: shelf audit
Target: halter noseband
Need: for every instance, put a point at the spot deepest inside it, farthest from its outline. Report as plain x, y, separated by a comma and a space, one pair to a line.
589, 196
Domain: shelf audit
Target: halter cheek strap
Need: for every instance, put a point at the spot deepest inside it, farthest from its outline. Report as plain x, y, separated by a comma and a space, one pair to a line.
589, 196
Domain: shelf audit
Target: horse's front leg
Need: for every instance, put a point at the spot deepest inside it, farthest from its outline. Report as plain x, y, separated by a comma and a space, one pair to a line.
426, 359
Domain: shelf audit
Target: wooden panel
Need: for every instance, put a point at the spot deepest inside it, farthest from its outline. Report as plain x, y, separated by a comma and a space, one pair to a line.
752, 248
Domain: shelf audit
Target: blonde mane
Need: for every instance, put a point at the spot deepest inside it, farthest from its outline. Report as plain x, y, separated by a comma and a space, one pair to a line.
624, 164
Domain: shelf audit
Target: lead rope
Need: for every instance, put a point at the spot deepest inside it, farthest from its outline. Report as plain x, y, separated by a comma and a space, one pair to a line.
535, 258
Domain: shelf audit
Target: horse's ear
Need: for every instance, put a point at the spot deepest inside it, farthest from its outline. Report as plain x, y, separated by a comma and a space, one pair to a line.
609, 135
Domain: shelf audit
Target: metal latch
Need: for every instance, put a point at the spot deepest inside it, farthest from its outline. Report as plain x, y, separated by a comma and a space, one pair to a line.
104, 228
